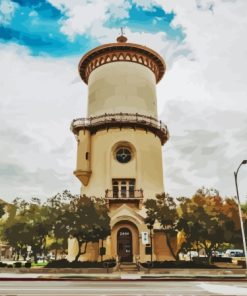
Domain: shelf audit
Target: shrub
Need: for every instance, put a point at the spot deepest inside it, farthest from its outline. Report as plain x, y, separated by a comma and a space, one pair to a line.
177, 264
221, 259
28, 264
17, 264
63, 263
3, 264
199, 260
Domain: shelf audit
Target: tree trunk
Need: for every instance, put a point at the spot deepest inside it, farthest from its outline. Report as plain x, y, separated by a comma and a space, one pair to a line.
102, 245
56, 250
208, 251
177, 254
169, 246
35, 257
79, 251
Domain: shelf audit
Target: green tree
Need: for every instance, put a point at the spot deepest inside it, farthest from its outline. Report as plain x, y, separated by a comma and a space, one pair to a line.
2, 211
18, 236
87, 221
164, 210
57, 207
28, 227
207, 221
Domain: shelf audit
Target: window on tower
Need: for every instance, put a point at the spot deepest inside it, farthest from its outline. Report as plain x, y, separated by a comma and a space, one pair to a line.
123, 188
123, 154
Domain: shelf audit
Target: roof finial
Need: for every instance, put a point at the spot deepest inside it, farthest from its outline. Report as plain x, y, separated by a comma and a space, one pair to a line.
122, 38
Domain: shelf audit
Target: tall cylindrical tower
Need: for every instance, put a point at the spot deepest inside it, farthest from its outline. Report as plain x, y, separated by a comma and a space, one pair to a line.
121, 138
119, 153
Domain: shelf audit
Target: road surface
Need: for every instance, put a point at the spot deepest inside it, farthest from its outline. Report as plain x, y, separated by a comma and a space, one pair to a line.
121, 288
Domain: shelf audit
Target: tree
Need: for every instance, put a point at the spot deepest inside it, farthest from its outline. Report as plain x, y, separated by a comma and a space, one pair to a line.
31, 223
207, 221
87, 220
57, 206
28, 227
2, 211
164, 210
17, 236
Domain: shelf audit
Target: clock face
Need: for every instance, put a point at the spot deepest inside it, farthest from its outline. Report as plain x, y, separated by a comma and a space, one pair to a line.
123, 155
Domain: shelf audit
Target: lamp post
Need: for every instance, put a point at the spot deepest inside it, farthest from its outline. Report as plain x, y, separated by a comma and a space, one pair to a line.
150, 227
240, 211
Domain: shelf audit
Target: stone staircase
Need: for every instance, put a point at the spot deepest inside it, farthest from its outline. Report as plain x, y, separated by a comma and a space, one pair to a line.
129, 267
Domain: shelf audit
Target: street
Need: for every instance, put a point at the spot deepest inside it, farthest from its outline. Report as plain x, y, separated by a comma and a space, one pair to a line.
120, 288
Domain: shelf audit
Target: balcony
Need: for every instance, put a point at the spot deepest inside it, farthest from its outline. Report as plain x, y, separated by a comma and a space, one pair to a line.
121, 120
122, 196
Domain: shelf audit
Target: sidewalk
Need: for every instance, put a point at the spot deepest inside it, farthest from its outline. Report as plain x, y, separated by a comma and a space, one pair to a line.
168, 274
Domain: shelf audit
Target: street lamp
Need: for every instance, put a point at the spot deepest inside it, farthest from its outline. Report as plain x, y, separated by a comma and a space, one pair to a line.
240, 212
150, 227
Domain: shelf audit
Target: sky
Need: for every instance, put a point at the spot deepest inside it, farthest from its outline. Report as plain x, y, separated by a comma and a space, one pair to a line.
202, 97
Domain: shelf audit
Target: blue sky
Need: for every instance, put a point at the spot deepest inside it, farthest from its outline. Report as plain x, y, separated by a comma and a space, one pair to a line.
202, 97
36, 24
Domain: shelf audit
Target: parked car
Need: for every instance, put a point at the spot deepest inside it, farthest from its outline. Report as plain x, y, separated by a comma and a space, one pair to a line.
217, 254
190, 255
234, 253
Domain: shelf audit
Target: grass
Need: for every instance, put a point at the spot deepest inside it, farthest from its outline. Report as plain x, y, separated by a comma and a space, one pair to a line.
41, 264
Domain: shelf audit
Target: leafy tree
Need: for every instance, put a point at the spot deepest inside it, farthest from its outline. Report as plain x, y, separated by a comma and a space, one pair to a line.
87, 221
32, 223
207, 221
18, 237
164, 210
28, 227
2, 211
57, 207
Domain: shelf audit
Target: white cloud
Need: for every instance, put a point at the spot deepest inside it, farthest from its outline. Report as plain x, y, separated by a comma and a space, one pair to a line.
207, 94
145, 4
7, 10
39, 101
83, 15
33, 13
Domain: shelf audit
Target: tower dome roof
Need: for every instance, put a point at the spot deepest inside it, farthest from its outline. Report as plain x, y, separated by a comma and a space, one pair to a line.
121, 51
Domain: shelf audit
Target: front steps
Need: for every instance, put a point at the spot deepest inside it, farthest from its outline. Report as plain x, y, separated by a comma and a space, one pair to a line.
128, 267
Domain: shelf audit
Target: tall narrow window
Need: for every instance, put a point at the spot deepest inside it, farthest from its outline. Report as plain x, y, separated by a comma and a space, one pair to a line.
115, 189
132, 188
123, 188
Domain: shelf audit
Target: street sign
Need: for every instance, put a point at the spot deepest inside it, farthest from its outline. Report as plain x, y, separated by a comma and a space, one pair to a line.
145, 237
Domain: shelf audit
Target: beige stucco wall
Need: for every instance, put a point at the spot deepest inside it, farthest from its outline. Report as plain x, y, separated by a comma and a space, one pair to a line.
145, 167
122, 87
83, 147
161, 249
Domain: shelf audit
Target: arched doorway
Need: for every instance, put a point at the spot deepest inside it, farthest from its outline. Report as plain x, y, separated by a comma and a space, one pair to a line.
124, 245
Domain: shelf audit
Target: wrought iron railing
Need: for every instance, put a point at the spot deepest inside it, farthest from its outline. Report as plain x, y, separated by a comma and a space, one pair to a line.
124, 194
119, 117
109, 120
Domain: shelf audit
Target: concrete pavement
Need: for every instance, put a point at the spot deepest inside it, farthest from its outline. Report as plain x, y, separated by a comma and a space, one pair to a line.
168, 274
110, 288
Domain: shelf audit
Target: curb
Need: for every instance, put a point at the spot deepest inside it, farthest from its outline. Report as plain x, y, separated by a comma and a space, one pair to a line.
123, 277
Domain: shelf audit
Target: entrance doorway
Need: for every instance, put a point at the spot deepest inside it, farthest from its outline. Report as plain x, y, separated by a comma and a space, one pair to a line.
124, 245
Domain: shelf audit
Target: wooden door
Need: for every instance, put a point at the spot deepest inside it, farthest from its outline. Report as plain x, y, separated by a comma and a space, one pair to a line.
124, 245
